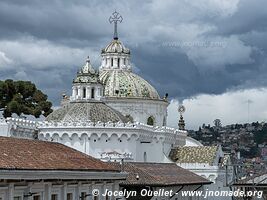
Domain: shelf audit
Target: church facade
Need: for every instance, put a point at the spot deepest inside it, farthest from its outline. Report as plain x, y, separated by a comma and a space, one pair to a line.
112, 114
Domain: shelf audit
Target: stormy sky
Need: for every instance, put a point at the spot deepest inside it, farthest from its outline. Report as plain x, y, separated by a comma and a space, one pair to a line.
198, 51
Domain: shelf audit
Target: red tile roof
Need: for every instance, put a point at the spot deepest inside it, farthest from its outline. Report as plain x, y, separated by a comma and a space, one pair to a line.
25, 154
159, 174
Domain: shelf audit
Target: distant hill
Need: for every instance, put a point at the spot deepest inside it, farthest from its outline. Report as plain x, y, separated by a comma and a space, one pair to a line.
248, 139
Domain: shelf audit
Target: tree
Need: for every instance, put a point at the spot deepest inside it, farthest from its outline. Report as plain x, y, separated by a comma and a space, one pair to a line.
23, 97
260, 136
217, 123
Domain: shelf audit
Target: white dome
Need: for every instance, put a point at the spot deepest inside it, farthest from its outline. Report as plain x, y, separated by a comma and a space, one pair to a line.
122, 83
86, 111
116, 46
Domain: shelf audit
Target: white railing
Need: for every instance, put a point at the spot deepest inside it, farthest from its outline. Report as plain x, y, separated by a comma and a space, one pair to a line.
28, 124
90, 124
22, 122
193, 166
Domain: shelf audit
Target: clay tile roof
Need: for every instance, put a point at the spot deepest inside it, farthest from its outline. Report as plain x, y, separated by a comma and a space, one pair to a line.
193, 154
159, 174
25, 154
256, 180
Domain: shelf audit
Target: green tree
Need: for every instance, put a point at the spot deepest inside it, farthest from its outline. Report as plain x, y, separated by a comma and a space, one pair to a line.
260, 136
23, 97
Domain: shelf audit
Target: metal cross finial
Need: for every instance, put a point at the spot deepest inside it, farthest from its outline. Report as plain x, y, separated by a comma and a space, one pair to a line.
181, 109
88, 59
115, 18
181, 124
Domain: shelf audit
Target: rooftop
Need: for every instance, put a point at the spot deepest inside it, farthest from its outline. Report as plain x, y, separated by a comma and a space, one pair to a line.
193, 154
94, 111
159, 174
257, 180
24, 154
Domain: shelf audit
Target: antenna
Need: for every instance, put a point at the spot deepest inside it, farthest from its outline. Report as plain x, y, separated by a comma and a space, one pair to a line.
249, 102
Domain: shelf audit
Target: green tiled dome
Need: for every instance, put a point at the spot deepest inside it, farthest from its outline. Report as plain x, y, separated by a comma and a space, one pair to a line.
123, 83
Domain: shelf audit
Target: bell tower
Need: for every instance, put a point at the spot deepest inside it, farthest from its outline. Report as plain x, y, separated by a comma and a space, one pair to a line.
115, 56
87, 85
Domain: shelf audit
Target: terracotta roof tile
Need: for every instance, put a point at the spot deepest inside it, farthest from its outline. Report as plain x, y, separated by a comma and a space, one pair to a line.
192, 154
161, 174
25, 154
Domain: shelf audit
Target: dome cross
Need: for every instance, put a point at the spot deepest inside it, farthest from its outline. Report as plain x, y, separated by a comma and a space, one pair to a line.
115, 18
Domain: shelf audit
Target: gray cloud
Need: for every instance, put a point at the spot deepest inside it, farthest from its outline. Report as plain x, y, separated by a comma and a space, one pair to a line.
184, 48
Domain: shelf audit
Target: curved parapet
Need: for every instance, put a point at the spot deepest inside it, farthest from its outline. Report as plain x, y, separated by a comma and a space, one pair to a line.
192, 142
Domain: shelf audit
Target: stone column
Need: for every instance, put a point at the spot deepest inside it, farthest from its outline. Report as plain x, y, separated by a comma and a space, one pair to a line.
90, 191
109, 62
115, 62
11, 191
79, 92
88, 92
73, 92
47, 191
64, 192
78, 191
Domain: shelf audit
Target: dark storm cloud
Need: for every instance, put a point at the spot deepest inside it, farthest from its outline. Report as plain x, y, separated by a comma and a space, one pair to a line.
174, 74
250, 16
64, 32
54, 21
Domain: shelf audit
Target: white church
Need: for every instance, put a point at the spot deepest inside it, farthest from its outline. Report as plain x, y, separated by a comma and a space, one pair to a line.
114, 114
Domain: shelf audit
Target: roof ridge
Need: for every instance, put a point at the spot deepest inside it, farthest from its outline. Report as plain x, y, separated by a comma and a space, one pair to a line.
38, 154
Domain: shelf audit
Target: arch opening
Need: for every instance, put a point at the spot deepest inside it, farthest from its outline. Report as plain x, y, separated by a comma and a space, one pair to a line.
151, 121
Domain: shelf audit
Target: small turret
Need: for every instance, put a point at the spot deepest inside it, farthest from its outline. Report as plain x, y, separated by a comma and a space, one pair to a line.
87, 85
181, 124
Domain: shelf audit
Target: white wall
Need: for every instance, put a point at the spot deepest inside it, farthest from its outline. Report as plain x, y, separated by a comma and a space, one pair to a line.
94, 145
133, 140
140, 109
46, 189
4, 131
215, 174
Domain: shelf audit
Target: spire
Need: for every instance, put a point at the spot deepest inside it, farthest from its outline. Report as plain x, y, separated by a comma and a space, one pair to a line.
181, 124
87, 68
88, 59
115, 18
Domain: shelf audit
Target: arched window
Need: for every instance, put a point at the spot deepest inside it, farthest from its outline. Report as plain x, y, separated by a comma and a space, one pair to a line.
164, 121
84, 92
145, 157
118, 62
112, 62
150, 121
92, 93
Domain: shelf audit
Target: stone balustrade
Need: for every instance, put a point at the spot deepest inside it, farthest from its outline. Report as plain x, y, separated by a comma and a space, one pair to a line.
90, 124
22, 122
28, 124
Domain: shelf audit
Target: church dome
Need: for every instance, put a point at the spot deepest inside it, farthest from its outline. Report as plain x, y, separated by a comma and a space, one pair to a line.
87, 74
86, 111
116, 46
124, 83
